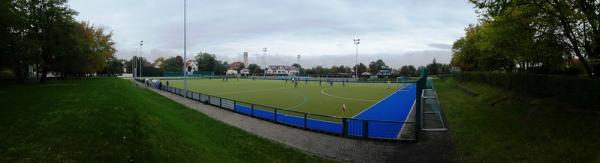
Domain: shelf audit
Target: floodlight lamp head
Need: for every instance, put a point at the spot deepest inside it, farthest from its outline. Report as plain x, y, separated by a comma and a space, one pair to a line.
356, 41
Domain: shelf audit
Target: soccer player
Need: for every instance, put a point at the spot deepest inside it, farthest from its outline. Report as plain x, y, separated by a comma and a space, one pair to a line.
296, 84
388, 85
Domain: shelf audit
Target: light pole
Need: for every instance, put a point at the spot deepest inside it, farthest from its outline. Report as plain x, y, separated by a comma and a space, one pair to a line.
264, 63
141, 60
356, 42
184, 47
133, 67
299, 69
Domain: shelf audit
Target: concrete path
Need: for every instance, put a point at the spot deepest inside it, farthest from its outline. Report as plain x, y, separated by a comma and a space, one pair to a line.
432, 147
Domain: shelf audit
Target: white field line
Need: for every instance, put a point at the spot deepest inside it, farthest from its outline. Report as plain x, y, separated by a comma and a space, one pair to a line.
345, 98
412, 108
302, 103
249, 91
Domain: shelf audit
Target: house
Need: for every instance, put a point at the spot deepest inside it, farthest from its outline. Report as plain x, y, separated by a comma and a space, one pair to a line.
236, 66
281, 70
245, 72
231, 72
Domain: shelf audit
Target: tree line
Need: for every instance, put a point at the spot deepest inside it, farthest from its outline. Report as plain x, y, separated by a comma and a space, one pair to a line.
542, 37
38, 37
207, 62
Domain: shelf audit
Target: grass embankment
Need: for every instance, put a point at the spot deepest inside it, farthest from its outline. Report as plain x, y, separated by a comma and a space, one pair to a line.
110, 120
518, 128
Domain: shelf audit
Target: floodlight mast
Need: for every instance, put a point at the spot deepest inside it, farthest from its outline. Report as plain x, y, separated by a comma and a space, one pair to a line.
133, 66
141, 60
185, 48
264, 63
299, 69
356, 42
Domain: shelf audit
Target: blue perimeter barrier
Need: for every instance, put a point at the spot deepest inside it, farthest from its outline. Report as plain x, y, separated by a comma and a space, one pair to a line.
383, 120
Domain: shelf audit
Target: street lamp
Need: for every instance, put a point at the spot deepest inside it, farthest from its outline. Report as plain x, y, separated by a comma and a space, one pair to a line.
264, 63
141, 60
133, 67
356, 42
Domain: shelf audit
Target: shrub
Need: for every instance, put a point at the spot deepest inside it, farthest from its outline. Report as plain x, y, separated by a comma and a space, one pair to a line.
7, 74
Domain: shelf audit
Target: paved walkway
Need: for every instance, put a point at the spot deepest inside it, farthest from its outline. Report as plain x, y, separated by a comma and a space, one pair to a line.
433, 147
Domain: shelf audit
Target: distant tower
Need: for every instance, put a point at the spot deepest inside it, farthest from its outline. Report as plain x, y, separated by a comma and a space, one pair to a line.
246, 59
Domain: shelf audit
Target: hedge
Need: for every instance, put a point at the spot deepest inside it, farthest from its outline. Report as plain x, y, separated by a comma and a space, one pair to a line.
578, 91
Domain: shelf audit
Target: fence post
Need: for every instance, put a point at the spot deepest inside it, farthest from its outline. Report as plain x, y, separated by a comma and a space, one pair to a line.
305, 115
234, 104
252, 110
220, 102
275, 115
366, 128
344, 127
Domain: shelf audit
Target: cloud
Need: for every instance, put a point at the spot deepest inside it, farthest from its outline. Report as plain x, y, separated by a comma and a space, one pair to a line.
441, 46
315, 29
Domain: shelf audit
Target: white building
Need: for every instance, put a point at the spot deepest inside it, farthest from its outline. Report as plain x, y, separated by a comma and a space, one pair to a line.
281, 70
245, 72
231, 72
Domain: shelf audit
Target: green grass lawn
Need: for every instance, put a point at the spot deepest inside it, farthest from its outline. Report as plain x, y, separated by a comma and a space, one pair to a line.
520, 129
110, 120
311, 98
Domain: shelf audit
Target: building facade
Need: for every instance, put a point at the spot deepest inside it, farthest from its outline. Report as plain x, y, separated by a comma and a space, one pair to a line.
281, 70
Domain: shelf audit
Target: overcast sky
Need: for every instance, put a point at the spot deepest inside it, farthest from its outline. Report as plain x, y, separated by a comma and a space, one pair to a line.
321, 31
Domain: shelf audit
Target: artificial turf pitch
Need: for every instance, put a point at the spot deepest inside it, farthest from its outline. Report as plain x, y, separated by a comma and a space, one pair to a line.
380, 117
309, 97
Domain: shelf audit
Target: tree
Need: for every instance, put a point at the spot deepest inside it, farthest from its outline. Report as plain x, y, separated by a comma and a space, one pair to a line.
172, 64
254, 68
433, 68
404, 70
297, 66
44, 36
375, 66
412, 71
570, 24
465, 52
361, 68
320, 70
334, 69
114, 66
220, 67
206, 62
